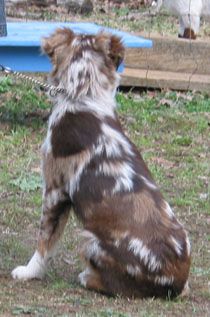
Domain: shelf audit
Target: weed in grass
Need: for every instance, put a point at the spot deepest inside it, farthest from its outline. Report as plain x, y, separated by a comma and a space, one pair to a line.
27, 183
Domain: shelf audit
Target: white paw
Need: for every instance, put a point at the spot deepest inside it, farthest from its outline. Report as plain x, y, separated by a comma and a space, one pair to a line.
34, 269
23, 273
83, 276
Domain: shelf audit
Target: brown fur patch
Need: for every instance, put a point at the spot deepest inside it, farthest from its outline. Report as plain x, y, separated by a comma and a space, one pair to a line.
67, 142
144, 207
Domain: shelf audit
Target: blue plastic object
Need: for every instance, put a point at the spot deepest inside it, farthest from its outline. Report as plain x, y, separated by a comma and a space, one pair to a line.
20, 50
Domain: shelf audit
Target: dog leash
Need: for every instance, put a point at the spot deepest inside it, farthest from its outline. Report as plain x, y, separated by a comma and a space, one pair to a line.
53, 90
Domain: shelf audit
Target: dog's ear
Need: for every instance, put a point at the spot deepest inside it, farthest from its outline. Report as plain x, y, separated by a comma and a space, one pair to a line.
116, 50
61, 37
112, 46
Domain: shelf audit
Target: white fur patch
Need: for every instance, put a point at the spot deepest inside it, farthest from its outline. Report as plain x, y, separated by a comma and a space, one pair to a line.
149, 183
186, 7
147, 256
121, 171
117, 140
133, 270
101, 107
177, 246
186, 290
169, 211
112, 149
47, 146
83, 276
188, 245
94, 251
164, 280
34, 269
82, 41
75, 177
53, 197
124, 180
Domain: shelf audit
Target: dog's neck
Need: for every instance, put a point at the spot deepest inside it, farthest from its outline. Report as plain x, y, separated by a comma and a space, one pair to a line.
94, 94
101, 105
87, 77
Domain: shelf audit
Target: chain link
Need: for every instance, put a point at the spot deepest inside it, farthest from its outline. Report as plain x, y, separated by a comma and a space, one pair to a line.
53, 91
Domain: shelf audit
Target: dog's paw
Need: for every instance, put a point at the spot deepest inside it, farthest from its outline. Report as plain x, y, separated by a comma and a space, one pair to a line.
83, 276
34, 269
23, 273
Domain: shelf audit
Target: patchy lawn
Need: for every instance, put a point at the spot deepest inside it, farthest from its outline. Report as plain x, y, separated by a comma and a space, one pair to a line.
173, 132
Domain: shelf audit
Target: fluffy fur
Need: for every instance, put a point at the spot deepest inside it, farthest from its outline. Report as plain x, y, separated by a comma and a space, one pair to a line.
189, 13
134, 244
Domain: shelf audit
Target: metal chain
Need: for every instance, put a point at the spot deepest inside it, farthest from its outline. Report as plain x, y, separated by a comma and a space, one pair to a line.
53, 91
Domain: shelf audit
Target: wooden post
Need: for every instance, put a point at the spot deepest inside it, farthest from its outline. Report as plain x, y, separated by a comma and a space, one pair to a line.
3, 25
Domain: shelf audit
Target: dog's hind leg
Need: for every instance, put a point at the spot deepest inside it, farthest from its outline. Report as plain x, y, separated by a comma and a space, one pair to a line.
103, 272
90, 278
56, 207
109, 281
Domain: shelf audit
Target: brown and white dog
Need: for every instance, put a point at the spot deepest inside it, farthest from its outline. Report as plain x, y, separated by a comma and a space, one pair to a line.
135, 245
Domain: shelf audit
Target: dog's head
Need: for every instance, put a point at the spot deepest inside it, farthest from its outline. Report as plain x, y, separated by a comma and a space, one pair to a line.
84, 64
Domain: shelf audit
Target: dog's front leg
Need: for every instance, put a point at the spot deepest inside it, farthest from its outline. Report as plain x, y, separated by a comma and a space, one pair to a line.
56, 207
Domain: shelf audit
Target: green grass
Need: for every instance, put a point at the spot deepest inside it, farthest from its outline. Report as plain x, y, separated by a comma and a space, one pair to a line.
23, 102
172, 130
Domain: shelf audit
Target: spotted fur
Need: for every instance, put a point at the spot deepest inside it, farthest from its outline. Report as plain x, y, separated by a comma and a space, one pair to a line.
134, 245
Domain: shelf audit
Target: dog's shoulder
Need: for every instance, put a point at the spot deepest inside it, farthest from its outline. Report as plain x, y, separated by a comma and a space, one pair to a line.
74, 132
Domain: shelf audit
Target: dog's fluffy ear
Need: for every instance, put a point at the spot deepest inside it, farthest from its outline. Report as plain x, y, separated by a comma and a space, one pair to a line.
117, 50
59, 38
112, 46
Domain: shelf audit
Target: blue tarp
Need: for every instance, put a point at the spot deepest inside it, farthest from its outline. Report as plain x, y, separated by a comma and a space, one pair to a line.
20, 50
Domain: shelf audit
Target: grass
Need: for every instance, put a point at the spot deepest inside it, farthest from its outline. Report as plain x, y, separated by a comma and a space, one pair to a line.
172, 130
